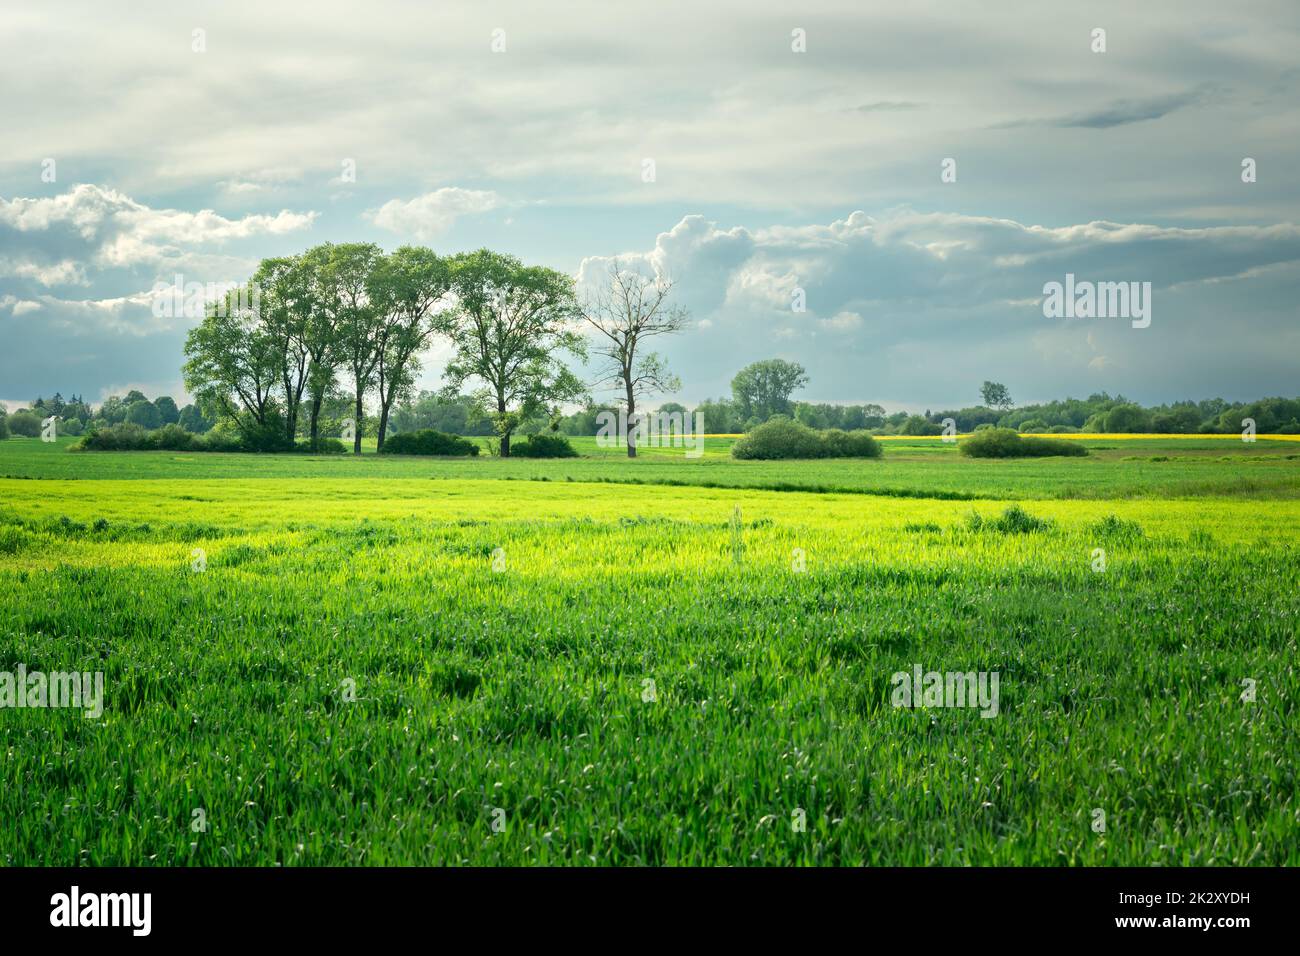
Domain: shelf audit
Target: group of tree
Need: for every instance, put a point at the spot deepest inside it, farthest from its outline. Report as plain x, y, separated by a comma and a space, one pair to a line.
75, 416
349, 320
1103, 413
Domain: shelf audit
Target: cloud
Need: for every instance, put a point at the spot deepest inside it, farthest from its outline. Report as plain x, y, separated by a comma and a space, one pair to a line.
430, 215
1117, 113
57, 240
889, 106
930, 304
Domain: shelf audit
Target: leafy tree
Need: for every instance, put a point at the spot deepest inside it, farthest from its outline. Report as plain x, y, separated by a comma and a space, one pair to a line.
625, 311
285, 298
25, 423
321, 308
1127, 418
167, 410
407, 287
144, 414
113, 410
232, 367
996, 395
763, 389
358, 320
511, 325
192, 420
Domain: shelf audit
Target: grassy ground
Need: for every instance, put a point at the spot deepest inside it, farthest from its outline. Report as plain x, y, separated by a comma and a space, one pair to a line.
917, 467
608, 664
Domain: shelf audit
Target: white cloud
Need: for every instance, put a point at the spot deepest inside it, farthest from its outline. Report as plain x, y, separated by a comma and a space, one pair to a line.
433, 213
120, 232
64, 272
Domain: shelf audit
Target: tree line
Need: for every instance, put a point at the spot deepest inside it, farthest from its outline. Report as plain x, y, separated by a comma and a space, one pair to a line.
349, 319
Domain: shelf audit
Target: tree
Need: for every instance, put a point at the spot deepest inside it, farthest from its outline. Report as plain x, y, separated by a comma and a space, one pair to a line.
763, 389
113, 410
1127, 418
144, 414
407, 287
284, 290
25, 423
511, 324
168, 413
318, 334
192, 420
995, 395
627, 309
232, 367
358, 320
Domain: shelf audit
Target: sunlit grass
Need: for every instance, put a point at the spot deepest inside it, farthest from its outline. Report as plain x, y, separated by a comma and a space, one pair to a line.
501, 634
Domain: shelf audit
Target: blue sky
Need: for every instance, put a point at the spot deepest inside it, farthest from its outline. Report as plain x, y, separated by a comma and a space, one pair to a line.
774, 170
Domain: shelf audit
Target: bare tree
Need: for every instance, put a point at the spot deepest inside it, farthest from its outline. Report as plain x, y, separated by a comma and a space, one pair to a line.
627, 309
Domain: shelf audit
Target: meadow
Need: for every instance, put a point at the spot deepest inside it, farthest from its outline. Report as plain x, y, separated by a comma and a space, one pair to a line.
380, 660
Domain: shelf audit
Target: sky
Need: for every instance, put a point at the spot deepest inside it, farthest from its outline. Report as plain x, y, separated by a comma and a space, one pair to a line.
914, 174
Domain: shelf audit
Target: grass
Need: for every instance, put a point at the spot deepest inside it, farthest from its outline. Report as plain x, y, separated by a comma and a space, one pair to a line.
913, 467
631, 677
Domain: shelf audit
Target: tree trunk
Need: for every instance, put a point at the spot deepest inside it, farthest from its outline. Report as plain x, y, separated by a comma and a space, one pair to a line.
314, 438
631, 424
383, 424
356, 426
505, 436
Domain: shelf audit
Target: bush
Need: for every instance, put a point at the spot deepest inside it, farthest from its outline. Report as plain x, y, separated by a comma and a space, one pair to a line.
4, 426
1007, 443
920, 425
428, 442
123, 437
1033, 425
544, 446
128, 436
324, 446
1014, 520
782, 438
25, 423
72, 427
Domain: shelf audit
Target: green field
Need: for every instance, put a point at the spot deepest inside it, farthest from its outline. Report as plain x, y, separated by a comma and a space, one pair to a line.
662, 661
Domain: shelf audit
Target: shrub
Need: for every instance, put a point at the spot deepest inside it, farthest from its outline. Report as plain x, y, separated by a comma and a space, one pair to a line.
782, 438
4, 426
1033, 425
122, 437
920, 425
1006, 443
428, 442
1014, 520
25, 423
324, 446
1116, 528
171, 438
544, 446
